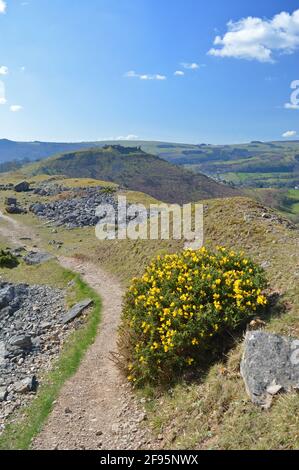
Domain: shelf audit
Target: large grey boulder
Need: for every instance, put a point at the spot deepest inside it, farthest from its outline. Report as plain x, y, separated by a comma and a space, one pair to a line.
270, 364
76, 311
22, 186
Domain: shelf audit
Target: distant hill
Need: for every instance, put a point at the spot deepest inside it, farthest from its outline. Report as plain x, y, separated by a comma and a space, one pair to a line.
257, 164
134, 169
14, 151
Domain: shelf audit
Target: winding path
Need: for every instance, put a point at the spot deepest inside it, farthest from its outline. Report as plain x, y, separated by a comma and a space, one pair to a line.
96, 408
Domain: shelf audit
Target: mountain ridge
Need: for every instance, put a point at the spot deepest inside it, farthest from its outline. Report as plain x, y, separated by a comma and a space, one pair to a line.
134, 169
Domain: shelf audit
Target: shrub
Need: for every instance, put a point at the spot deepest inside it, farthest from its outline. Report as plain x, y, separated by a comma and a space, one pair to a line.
7, 260
182, 304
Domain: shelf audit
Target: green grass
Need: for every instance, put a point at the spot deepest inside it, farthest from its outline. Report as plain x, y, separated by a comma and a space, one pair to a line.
19, 435
214, 412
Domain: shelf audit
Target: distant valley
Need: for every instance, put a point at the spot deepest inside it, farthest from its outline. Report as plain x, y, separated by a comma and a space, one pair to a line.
257, 164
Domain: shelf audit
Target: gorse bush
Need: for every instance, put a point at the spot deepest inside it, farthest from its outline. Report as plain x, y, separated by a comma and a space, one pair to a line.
182, 304
7, 260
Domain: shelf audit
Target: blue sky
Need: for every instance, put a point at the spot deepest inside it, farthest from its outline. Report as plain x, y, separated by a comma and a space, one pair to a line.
74, 70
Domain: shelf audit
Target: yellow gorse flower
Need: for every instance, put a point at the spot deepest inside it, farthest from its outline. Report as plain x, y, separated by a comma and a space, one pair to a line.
183, 300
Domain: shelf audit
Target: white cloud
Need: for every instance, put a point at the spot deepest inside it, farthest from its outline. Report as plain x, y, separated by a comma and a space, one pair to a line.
289, 134
15, 108
2, 6
179, 73
121, 137
128, 137
3, 70
256, 38
133, 74
190, 66
2, 93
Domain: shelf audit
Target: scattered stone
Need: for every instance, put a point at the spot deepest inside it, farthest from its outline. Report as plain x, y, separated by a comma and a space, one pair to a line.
26, 385
34, 258
3, 394
6, 187
256, 324
2, 353
77, 310
270, 364
265, 264
31, 337
21, 342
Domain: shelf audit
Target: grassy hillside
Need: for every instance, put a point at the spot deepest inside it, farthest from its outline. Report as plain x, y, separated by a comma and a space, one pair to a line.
213, 411
134, 169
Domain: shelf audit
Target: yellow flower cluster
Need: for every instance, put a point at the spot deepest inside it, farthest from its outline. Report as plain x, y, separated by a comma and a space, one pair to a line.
182, 302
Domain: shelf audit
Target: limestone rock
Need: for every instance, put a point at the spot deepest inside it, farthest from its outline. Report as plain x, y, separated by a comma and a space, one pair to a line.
270, 364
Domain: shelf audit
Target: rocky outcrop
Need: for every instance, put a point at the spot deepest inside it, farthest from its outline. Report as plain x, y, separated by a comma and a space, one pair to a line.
270, 365
80, 209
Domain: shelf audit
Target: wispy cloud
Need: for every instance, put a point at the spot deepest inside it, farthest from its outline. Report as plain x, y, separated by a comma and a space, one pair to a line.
179, 73
127, 137
3, 70
120, 137
2, 93
133, 74
254, 38
15, 108
289, 134
190, 65
2, 6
